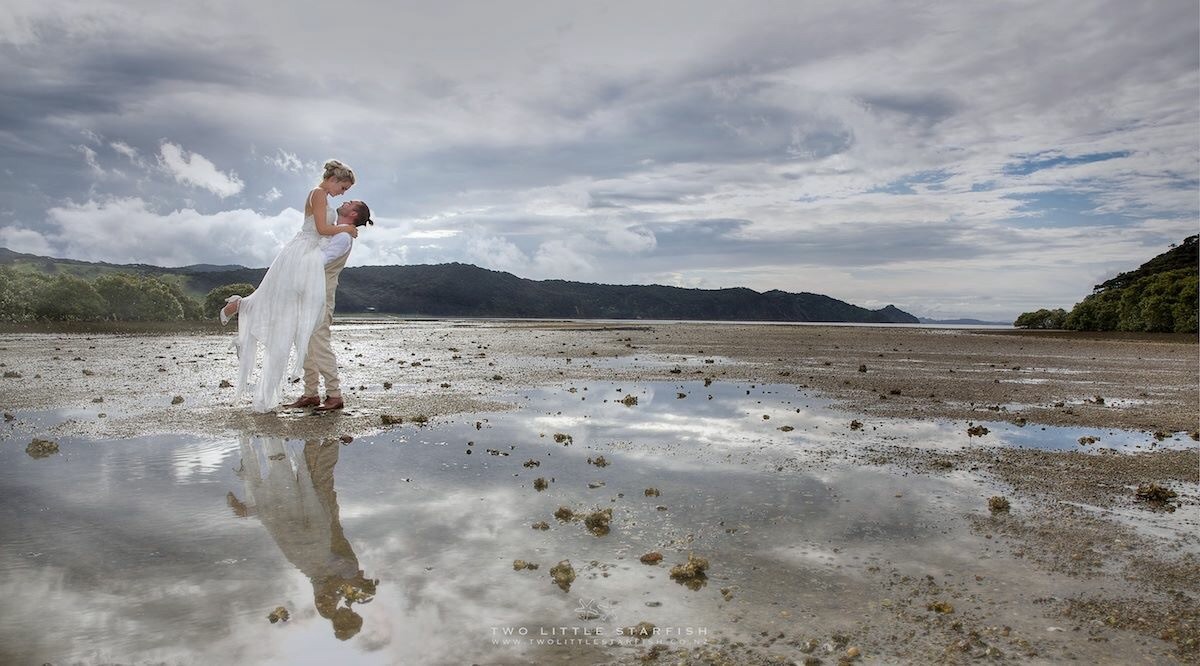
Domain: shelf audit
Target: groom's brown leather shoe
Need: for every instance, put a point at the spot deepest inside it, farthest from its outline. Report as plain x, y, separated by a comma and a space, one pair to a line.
304, 401
331, 403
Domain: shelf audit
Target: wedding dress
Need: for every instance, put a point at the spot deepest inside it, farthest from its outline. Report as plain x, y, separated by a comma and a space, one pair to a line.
282, 314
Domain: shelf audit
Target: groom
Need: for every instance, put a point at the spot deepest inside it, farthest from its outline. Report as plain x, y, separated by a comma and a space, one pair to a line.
320, 361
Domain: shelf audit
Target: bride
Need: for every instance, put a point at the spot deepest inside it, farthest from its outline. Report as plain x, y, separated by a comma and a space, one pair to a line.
289, 303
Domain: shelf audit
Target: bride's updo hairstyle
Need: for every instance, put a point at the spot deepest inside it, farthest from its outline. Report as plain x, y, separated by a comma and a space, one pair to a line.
338, 171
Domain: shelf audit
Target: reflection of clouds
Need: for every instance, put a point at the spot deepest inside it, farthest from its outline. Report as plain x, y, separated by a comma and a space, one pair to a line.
111, 620
194, 460
450, 576
124, 568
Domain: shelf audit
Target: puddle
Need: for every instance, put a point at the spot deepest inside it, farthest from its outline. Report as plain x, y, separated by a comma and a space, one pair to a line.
689, 363
399, 548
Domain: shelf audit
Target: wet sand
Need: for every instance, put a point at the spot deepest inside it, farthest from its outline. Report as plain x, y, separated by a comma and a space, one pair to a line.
1120, 575
1145, 383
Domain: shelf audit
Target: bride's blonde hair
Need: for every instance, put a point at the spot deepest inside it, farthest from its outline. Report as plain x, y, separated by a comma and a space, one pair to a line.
338, 171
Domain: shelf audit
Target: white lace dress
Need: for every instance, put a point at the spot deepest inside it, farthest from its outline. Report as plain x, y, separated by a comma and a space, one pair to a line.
282, 314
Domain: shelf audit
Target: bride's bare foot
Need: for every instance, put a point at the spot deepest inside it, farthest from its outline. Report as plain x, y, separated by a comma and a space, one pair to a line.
230, 309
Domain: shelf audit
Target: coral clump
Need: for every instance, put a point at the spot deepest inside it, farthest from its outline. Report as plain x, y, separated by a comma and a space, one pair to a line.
41, 448
1159, 497
597, 521
691, 573
563, 575
998, 504
653, 557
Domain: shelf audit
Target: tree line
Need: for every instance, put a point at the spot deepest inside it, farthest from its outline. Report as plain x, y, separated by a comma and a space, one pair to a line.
30, 296
1161, 296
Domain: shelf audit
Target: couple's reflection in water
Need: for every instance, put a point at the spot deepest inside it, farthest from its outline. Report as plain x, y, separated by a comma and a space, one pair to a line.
291, 491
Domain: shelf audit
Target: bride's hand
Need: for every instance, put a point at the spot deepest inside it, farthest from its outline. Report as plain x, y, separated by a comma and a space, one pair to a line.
352, 230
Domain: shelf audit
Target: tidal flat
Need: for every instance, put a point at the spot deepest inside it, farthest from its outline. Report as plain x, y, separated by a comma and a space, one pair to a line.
544, 492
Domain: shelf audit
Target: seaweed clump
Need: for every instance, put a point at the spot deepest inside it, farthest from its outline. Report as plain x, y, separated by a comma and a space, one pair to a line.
1159, 497
943, 607
597, 521
998, 504
563, 575
41, 448
691, 573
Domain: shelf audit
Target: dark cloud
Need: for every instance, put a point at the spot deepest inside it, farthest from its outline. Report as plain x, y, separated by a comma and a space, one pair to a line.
921, 109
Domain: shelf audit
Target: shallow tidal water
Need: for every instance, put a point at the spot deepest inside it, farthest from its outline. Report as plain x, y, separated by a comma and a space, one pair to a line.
399, 547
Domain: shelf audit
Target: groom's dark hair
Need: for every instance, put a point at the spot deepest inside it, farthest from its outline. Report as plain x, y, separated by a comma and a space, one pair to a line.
364, 214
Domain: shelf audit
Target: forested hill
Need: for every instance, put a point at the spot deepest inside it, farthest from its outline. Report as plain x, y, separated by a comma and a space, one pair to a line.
1160, 296
1186, 255
463, 290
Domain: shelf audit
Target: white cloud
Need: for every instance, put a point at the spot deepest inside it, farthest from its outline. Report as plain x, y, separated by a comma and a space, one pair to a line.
564, 260
129, 152
630, 239
127, 230
272, 195
289, 162
194, 169
89, 156
19, 239
434, 233
496, 253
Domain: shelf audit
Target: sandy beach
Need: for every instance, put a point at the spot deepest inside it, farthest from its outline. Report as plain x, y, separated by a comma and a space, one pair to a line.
1079, 567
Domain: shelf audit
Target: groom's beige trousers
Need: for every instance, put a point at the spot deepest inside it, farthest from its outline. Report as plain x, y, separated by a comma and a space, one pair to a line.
320, 361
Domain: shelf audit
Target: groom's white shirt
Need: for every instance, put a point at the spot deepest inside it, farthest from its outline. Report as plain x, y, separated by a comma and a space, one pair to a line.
335, 246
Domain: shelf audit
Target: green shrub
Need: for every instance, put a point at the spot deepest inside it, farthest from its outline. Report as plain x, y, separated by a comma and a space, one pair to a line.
215, 300
68, 298
134, 298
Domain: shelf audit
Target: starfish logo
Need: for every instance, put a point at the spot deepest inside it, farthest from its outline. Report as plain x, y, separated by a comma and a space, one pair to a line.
590, 609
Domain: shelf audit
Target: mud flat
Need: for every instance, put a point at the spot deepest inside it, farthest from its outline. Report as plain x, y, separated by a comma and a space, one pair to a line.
857, 494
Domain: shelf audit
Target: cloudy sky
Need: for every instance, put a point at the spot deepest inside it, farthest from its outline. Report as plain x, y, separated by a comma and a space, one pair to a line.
953, 158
